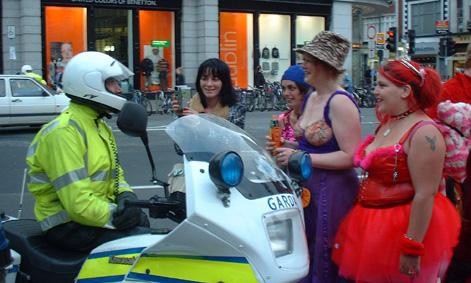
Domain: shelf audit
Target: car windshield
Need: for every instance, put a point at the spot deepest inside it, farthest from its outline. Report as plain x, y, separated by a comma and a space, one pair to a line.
204, 135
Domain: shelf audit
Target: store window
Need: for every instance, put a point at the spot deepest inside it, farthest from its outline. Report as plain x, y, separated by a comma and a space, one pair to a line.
275, 51
306, 28
423, 17
113, 34
157, 49
64, 36
236, 46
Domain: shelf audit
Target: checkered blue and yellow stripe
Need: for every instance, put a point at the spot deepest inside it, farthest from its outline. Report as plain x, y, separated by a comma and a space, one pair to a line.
114, 265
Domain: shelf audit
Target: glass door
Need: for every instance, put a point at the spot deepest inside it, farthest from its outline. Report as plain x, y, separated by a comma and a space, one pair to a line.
113, 34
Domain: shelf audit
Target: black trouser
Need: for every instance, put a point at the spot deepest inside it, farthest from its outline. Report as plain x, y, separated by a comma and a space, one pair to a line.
163, 80
76, 237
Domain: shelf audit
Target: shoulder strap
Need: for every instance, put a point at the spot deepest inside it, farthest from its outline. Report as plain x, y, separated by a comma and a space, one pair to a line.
410, 133
327, 105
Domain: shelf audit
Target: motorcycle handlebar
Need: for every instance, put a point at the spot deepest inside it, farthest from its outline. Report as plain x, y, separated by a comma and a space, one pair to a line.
161, 207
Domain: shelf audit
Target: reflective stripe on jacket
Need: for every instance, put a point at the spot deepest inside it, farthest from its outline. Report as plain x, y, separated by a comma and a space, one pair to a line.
72, 170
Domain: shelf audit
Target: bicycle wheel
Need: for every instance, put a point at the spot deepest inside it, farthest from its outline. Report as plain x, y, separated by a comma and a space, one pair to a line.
251, 106
147, 105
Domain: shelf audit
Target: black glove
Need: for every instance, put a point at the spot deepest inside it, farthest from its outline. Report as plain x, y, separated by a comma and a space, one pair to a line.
126, 217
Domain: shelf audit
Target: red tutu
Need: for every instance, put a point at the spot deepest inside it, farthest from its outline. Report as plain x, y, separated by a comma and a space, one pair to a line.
367, 245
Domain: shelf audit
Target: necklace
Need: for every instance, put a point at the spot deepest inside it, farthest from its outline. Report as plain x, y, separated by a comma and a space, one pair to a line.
397, 118
402, 115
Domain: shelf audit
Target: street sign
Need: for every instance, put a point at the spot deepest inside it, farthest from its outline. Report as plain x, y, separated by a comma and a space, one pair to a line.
380, 38
441, 27
371, 32
11, 32
371, 44
160, 43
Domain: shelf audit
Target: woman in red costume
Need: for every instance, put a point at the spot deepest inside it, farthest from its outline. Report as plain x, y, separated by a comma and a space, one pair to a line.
402, 229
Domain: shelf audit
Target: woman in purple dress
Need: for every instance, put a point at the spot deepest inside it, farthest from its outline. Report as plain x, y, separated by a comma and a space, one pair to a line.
332, 132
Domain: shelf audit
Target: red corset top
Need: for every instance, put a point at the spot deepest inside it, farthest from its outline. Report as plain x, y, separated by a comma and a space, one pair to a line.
386, 165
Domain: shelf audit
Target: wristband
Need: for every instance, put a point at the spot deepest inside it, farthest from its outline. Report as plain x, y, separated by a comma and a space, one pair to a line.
411, 247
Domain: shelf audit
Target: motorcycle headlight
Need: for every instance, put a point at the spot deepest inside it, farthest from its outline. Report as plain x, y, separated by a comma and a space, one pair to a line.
226, 169
280, 233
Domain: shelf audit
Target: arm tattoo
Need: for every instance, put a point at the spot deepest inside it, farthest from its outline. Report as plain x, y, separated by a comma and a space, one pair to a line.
432, 141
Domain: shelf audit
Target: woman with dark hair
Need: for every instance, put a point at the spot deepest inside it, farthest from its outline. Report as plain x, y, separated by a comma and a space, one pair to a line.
402, 229
215, 93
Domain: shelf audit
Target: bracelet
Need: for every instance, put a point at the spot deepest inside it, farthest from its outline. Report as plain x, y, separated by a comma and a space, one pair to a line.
411, 247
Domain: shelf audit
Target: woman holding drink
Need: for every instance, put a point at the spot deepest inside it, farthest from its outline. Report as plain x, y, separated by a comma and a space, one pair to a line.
330, 126
215, 94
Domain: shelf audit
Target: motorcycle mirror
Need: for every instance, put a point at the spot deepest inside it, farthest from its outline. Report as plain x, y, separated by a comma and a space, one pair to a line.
132, 120
299, 166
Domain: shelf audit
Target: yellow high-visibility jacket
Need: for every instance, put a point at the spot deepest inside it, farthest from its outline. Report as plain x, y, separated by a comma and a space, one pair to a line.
73, 170
37, 77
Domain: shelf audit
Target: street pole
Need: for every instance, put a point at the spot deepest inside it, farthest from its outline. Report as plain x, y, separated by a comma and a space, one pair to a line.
398, 32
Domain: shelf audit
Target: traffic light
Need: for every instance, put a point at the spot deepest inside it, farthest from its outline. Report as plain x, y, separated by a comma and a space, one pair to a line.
411, 36
442, 47
391, 40
450, 46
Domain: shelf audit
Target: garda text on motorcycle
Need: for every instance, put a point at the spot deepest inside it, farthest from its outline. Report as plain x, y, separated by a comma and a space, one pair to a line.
239, 218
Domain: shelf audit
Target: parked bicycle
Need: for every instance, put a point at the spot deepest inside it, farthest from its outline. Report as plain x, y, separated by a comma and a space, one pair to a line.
363, 97
270, 97
246, 97
165, 101
140, 98
273, 97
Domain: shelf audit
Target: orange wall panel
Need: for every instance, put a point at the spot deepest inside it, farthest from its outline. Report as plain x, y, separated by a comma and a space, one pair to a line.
233, 45
157, 25
65, 24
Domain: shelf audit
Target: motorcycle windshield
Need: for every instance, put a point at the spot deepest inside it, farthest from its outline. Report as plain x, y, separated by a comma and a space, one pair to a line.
202, 136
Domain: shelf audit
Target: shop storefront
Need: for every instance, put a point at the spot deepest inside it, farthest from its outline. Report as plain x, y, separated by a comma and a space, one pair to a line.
132, 31
264, 33
459, 58
426, 53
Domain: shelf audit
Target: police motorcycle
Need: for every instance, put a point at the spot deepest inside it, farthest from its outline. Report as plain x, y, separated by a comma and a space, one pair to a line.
239, 219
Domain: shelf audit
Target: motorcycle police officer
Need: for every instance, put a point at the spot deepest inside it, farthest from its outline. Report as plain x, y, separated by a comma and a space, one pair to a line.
73, 166
27, 70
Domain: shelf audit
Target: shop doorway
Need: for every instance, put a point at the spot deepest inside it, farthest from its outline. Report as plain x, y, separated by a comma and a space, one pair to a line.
113, 34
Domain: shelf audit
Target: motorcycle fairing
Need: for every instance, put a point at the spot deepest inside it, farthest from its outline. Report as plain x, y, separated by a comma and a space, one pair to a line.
226, 244
191, 253
202, 136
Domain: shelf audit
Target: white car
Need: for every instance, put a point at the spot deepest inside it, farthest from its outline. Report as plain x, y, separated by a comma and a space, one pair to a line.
24, 101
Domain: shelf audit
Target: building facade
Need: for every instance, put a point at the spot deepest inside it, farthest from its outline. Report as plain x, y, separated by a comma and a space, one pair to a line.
42, 33
433, 22
245, 34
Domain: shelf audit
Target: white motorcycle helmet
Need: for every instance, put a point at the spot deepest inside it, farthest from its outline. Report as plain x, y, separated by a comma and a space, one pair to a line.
84, 80
26, 68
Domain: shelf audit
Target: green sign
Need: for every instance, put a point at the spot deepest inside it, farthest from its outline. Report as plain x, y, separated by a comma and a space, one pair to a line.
160, 43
